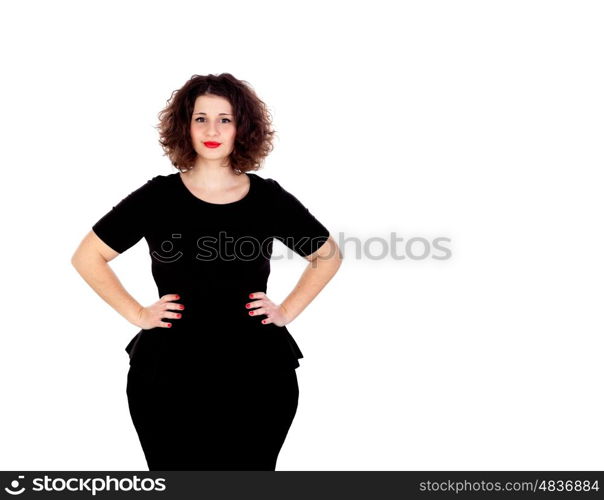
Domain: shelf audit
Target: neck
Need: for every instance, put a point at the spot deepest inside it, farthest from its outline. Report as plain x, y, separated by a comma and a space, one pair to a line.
212, 174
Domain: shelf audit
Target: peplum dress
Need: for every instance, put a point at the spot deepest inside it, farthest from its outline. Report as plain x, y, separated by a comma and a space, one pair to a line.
218, 390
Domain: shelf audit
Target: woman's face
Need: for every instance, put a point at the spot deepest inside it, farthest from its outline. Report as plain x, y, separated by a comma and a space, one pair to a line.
213, 122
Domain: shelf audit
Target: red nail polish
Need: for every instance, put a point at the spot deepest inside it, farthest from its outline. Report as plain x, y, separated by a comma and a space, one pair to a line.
178, 315
251, 313
177, 297
263, 321
251, 295
169, 325
247, 305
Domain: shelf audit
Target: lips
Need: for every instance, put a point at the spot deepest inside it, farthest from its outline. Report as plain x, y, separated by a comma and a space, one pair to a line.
211, 144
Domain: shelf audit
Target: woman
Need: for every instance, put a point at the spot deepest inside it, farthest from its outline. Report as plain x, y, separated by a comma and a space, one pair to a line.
212, 382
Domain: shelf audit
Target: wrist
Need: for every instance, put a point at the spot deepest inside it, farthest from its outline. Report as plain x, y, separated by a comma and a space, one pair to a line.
135, 317
288, 316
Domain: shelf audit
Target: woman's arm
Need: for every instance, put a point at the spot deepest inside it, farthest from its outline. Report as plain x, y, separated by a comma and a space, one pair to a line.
91, 261
322, 266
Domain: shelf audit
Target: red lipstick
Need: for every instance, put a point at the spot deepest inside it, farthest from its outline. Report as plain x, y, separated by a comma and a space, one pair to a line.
211, 144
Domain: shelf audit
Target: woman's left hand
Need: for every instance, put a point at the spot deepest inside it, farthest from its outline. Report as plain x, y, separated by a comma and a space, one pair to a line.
275, 314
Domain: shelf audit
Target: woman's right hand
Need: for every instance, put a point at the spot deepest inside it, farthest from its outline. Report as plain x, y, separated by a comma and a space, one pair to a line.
151, 316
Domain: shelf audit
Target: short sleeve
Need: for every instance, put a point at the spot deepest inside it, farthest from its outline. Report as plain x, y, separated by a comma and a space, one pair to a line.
125, 224
295, 226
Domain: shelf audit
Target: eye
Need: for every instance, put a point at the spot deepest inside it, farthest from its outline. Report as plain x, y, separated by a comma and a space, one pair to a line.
228, 120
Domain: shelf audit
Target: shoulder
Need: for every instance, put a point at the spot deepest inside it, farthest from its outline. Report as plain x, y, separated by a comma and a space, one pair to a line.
281, 195
259, 180
157, 183
148, 190
162, 180
266, 185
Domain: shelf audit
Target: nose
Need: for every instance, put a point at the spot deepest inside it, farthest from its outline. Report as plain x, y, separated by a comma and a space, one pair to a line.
211, 130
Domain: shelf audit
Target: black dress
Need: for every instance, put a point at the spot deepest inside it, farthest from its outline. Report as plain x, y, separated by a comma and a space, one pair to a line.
218, 390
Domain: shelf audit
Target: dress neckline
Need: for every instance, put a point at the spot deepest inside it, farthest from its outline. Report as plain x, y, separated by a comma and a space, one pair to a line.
204, 202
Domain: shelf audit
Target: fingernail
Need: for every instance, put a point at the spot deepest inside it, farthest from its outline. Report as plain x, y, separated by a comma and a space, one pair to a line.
251, 295
247, 305
177, 297
263, 321
251, 313
178, 315
169, 325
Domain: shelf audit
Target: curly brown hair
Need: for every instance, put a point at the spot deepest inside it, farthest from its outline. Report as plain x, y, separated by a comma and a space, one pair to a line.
254, 134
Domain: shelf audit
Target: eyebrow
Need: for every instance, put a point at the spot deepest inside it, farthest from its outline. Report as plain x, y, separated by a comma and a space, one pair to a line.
202, 113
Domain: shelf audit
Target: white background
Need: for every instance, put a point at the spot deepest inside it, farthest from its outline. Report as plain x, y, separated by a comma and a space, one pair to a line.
476, 121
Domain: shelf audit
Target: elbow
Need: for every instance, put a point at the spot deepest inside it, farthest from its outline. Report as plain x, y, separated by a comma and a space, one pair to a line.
338, 259
330, 255
84, 258
338, 254
335, 254
76, 261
